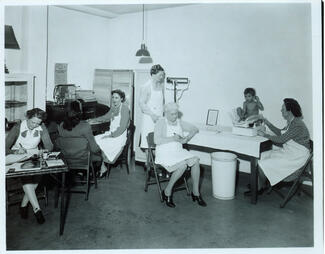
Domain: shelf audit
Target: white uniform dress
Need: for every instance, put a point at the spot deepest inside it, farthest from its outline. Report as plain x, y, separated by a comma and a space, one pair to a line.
171, 155
155, 103
111, 146
280, 162
28, 139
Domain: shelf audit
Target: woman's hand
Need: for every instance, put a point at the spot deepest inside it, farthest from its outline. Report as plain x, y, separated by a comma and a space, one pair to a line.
177, 138
21, 150
261, 133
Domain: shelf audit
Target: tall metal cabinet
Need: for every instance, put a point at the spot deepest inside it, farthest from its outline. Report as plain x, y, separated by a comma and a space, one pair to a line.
19, 95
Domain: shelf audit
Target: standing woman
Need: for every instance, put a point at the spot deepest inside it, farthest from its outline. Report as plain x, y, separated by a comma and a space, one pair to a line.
151, 102
113, 141
293, 147
25, 137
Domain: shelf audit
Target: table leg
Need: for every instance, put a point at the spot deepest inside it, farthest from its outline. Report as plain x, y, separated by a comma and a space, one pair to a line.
62, 210
254, 180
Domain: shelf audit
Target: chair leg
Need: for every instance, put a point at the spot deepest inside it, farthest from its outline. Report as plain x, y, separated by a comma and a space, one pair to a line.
147, 180
88, 184
127, 168
291, 193
186, 186
94, 175
158, 185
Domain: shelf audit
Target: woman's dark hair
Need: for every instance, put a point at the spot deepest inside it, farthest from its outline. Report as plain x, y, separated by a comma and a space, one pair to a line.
250, 91
120, 93
155, 69
293, 106
72, 116
36, 112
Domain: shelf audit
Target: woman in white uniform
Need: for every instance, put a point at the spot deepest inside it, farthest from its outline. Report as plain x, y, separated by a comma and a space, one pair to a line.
112, 142
151, 102
292, 146
169, 140
25, 137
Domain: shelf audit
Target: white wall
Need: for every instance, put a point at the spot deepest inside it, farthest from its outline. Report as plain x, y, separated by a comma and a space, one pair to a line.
224, 48
79, 39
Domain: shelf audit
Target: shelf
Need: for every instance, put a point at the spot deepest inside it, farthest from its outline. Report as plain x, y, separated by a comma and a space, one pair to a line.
15, 83
15, 104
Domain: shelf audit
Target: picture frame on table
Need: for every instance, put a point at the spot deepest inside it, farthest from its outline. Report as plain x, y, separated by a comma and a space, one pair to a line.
212, 117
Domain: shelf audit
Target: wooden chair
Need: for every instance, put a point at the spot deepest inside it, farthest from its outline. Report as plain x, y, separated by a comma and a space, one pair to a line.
297, 178
76, 153
125, 155
162, 176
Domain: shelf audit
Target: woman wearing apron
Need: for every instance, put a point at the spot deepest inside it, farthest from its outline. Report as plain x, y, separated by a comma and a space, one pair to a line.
169, 138
280, 162
112, 142
23, 138
151, 102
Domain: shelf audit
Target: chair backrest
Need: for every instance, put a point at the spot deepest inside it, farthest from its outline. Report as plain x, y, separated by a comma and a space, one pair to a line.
75, 150
130, 132
150, 140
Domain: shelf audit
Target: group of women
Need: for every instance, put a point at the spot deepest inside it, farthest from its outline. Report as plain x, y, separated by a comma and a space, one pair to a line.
31, 134
290, 152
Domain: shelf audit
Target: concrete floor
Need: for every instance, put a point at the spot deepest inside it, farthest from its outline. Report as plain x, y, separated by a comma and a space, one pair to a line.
120, 215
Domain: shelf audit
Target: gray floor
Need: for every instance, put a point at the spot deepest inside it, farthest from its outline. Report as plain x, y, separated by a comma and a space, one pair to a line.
120, 215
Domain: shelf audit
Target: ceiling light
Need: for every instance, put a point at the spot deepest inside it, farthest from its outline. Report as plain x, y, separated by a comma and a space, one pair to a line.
143, 51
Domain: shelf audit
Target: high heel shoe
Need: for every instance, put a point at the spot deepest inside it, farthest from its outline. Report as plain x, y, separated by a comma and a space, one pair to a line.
199, 200
103, 175
23, 210
39, 217
168, 199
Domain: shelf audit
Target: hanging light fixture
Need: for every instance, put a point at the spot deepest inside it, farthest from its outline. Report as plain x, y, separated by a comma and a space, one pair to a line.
143, 50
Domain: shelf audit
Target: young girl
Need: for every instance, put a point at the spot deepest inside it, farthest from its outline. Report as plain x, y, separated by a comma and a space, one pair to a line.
251, 105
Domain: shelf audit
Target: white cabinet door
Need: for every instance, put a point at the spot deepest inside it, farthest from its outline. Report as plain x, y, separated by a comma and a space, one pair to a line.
140, 78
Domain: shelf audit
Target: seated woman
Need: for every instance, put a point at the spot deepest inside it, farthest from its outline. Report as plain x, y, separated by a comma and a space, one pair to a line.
25, 137
168, 136
280, 162
74, 126
112, 142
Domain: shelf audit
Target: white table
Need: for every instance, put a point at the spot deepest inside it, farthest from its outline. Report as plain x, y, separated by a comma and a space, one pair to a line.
249, 148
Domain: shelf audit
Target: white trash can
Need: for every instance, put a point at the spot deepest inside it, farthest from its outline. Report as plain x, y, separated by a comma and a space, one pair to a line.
223, 166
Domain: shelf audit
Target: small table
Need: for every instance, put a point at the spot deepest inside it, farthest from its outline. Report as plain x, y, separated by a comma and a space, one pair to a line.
246, 147
43, 171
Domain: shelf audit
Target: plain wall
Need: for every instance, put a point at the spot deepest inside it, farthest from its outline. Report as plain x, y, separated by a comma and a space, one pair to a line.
224, 48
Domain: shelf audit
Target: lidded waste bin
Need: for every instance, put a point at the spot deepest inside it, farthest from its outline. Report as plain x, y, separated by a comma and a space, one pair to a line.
223, 166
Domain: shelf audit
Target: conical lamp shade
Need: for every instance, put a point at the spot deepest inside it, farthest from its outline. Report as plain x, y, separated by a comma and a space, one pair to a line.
145, 59
143, 51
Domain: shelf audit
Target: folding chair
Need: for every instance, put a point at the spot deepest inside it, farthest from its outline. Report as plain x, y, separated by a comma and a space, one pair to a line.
297, 178
163, 175
76, 153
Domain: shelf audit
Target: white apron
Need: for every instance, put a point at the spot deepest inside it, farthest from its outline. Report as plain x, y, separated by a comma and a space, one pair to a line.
171, 154
109, 145
28, 139
155, 103
280, 162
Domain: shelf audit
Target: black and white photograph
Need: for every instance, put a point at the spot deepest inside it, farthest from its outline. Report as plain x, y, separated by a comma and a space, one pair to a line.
162, 126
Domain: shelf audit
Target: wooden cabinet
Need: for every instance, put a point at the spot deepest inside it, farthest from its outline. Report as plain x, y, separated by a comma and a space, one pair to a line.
19, 95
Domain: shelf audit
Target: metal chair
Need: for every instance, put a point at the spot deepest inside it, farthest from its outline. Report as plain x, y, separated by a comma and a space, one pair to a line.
163, 175
76, 153
297, 178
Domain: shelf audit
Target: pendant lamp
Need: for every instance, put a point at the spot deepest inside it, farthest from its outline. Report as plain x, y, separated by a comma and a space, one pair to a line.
143, 49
